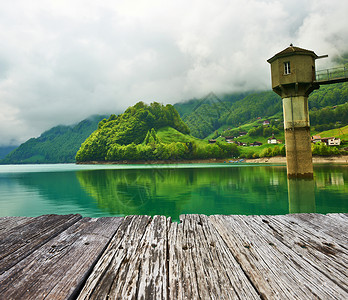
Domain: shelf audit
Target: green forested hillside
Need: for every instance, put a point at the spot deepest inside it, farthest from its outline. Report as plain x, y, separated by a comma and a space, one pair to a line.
148, 132
204, 117
187, 107
57, 145
329, 117
131, 127
328, 95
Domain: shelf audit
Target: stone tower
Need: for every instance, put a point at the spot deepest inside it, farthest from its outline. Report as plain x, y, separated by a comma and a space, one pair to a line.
293, 78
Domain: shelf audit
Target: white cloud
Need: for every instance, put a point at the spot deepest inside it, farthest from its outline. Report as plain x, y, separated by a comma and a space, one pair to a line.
61, 61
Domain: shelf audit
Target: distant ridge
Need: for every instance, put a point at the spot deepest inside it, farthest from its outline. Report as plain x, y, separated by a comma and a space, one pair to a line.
56, 145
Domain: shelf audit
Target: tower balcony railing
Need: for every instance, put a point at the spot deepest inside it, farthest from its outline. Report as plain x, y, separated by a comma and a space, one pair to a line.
333, 75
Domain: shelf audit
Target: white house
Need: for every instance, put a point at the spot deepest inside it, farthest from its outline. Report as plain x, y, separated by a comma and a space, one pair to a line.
272, 140
332, 141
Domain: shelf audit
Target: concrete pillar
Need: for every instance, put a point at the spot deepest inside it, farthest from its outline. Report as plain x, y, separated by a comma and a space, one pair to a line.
297, 137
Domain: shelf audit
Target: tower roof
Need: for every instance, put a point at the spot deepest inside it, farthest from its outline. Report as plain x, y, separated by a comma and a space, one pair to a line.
291, 51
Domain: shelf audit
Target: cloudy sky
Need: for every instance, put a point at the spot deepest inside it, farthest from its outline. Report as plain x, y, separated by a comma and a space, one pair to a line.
63, 60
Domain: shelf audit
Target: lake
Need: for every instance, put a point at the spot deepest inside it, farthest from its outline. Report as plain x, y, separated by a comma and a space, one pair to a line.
170, 190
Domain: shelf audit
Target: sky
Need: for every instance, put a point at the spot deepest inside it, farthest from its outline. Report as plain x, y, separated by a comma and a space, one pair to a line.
64, 60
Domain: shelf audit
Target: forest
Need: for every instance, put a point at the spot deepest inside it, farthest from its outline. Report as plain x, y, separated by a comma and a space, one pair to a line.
59, 144
204, 116
132, 136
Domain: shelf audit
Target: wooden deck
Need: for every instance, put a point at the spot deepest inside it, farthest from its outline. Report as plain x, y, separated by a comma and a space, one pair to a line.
302, 256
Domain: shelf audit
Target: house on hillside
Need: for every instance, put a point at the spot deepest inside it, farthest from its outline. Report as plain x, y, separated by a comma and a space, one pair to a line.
265, 123
229, 139
316, 139
334, 141
331, 141
211, 141
272, 140
240, 143
255, 144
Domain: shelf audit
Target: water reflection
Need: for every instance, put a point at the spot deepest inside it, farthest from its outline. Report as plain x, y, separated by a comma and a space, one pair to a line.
171, 191
174, 191
301, 196
37, 193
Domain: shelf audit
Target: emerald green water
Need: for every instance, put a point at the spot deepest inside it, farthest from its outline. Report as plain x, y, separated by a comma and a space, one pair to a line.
171, 190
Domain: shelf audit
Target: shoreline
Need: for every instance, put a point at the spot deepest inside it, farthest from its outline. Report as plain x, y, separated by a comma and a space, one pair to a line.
343, 159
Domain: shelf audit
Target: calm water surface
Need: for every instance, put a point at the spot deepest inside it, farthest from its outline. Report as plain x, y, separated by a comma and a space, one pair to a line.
171, 190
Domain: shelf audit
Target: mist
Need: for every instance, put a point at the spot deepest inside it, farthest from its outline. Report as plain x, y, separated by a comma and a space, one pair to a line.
61, 62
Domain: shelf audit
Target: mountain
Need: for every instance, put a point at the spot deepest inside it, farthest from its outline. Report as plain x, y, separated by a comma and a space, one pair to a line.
204, 116
148, 132
56, 145
186, 107
131, 127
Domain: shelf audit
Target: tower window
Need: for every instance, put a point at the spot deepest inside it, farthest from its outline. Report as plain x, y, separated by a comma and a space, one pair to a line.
287, 68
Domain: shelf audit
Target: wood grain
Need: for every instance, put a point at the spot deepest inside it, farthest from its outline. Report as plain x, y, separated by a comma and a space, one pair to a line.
275, 269
300, 256
57, 269
20, 241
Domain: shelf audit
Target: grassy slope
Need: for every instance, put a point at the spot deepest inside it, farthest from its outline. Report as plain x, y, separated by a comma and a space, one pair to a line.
169, 135
342, 133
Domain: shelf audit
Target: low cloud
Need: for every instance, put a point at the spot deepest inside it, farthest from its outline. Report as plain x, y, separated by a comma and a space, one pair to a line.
61, 61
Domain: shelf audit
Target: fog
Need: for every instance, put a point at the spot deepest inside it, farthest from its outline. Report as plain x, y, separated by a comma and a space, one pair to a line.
62, 61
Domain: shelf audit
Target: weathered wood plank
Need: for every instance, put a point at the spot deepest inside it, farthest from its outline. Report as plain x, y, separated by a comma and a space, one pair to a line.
218, 257
325, 224
174, 269
320, 250
200, 264
8, 223
19, 242
117, 272
275, 270
221, 255
153, 279
58, 268
181, 268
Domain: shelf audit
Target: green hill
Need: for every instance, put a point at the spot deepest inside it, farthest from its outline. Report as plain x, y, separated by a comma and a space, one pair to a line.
341, 133
148, 132
57, 145
169, 135
131, 127
204, 116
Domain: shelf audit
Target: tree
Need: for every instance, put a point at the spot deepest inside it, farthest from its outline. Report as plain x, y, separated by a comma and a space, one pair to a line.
136, 125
